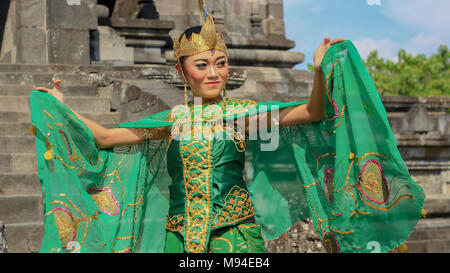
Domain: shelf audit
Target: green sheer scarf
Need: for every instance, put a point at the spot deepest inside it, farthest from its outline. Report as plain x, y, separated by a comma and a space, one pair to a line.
344, 172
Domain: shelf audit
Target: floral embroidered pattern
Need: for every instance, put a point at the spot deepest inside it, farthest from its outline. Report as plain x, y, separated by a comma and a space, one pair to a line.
237, 207
176, 223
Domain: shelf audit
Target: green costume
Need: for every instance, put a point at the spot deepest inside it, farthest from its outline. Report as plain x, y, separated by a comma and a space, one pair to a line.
183, 193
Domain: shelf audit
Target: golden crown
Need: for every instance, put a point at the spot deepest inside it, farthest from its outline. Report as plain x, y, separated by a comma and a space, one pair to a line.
207, 39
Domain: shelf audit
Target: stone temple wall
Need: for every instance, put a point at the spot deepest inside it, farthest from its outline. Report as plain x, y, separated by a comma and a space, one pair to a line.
117, 65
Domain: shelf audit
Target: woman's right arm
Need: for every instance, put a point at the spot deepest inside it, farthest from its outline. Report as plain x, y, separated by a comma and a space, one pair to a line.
106, 138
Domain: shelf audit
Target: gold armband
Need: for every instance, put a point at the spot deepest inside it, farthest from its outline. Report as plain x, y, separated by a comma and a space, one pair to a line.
147, 134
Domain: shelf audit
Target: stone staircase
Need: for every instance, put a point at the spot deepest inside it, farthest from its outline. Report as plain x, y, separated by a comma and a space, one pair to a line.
21, 207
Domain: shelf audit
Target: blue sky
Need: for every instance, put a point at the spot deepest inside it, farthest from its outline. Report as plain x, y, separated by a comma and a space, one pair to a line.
418, 26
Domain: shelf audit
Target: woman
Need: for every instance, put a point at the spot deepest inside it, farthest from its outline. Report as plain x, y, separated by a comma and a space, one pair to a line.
115, 198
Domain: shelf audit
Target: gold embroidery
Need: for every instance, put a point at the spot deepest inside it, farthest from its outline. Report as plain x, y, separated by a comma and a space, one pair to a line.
48, 114
65, 226
312, 184
147, 134
215, 249
105, 200
323, 156
342, 115
175, 223
377, 154
196, 156
195, 149
123, 238
64, 163
237, 207
391, 206
330, 99
208, 119
133, 205
330, 242
372, 183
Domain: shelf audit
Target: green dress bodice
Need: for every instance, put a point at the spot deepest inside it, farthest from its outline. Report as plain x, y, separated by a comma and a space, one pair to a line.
208, 189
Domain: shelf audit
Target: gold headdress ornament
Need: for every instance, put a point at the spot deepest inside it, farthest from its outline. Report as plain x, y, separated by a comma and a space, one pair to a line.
207, 39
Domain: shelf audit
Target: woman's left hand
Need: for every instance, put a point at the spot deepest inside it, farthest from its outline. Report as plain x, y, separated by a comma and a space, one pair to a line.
322, 49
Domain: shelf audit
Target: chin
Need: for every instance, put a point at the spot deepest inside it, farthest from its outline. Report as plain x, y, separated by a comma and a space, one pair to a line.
210, 94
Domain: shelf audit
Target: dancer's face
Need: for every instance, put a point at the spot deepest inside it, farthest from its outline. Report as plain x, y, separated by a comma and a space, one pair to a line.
207, 73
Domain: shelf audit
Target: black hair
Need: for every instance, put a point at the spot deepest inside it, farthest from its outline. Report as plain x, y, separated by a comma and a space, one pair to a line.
188, 32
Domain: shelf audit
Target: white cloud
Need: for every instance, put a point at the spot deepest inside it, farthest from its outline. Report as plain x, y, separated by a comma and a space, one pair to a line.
387, 48
422, 43
431, 16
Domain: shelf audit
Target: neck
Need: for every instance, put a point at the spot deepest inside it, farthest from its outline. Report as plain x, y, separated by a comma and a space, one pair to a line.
206, 100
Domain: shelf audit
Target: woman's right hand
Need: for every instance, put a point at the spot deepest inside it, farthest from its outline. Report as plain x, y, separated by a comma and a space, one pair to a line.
55, 91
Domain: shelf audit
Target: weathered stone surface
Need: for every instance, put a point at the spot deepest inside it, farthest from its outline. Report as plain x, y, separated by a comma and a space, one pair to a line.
19, 183
21, 208
154, 96
25, 238
274, 27
102, 11
273, 82
245, 24
33, 45
52, 37
148, 56
417, 120
68, 46
113, 48
18, 163
126, 8
28, 11
300, 238
124, 22
70, 15
261, 57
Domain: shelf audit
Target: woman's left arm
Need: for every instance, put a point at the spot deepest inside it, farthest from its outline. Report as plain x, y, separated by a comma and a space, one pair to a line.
314, 109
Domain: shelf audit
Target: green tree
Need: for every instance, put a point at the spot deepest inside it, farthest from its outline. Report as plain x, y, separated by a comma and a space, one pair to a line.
411, 75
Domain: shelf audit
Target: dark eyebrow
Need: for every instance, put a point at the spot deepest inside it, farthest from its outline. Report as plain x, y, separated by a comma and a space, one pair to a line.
206, 60
221, 57
203, 60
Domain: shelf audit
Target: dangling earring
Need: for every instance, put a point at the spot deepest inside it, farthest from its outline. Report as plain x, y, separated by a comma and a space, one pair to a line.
224, 92
185, 93
185, 84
